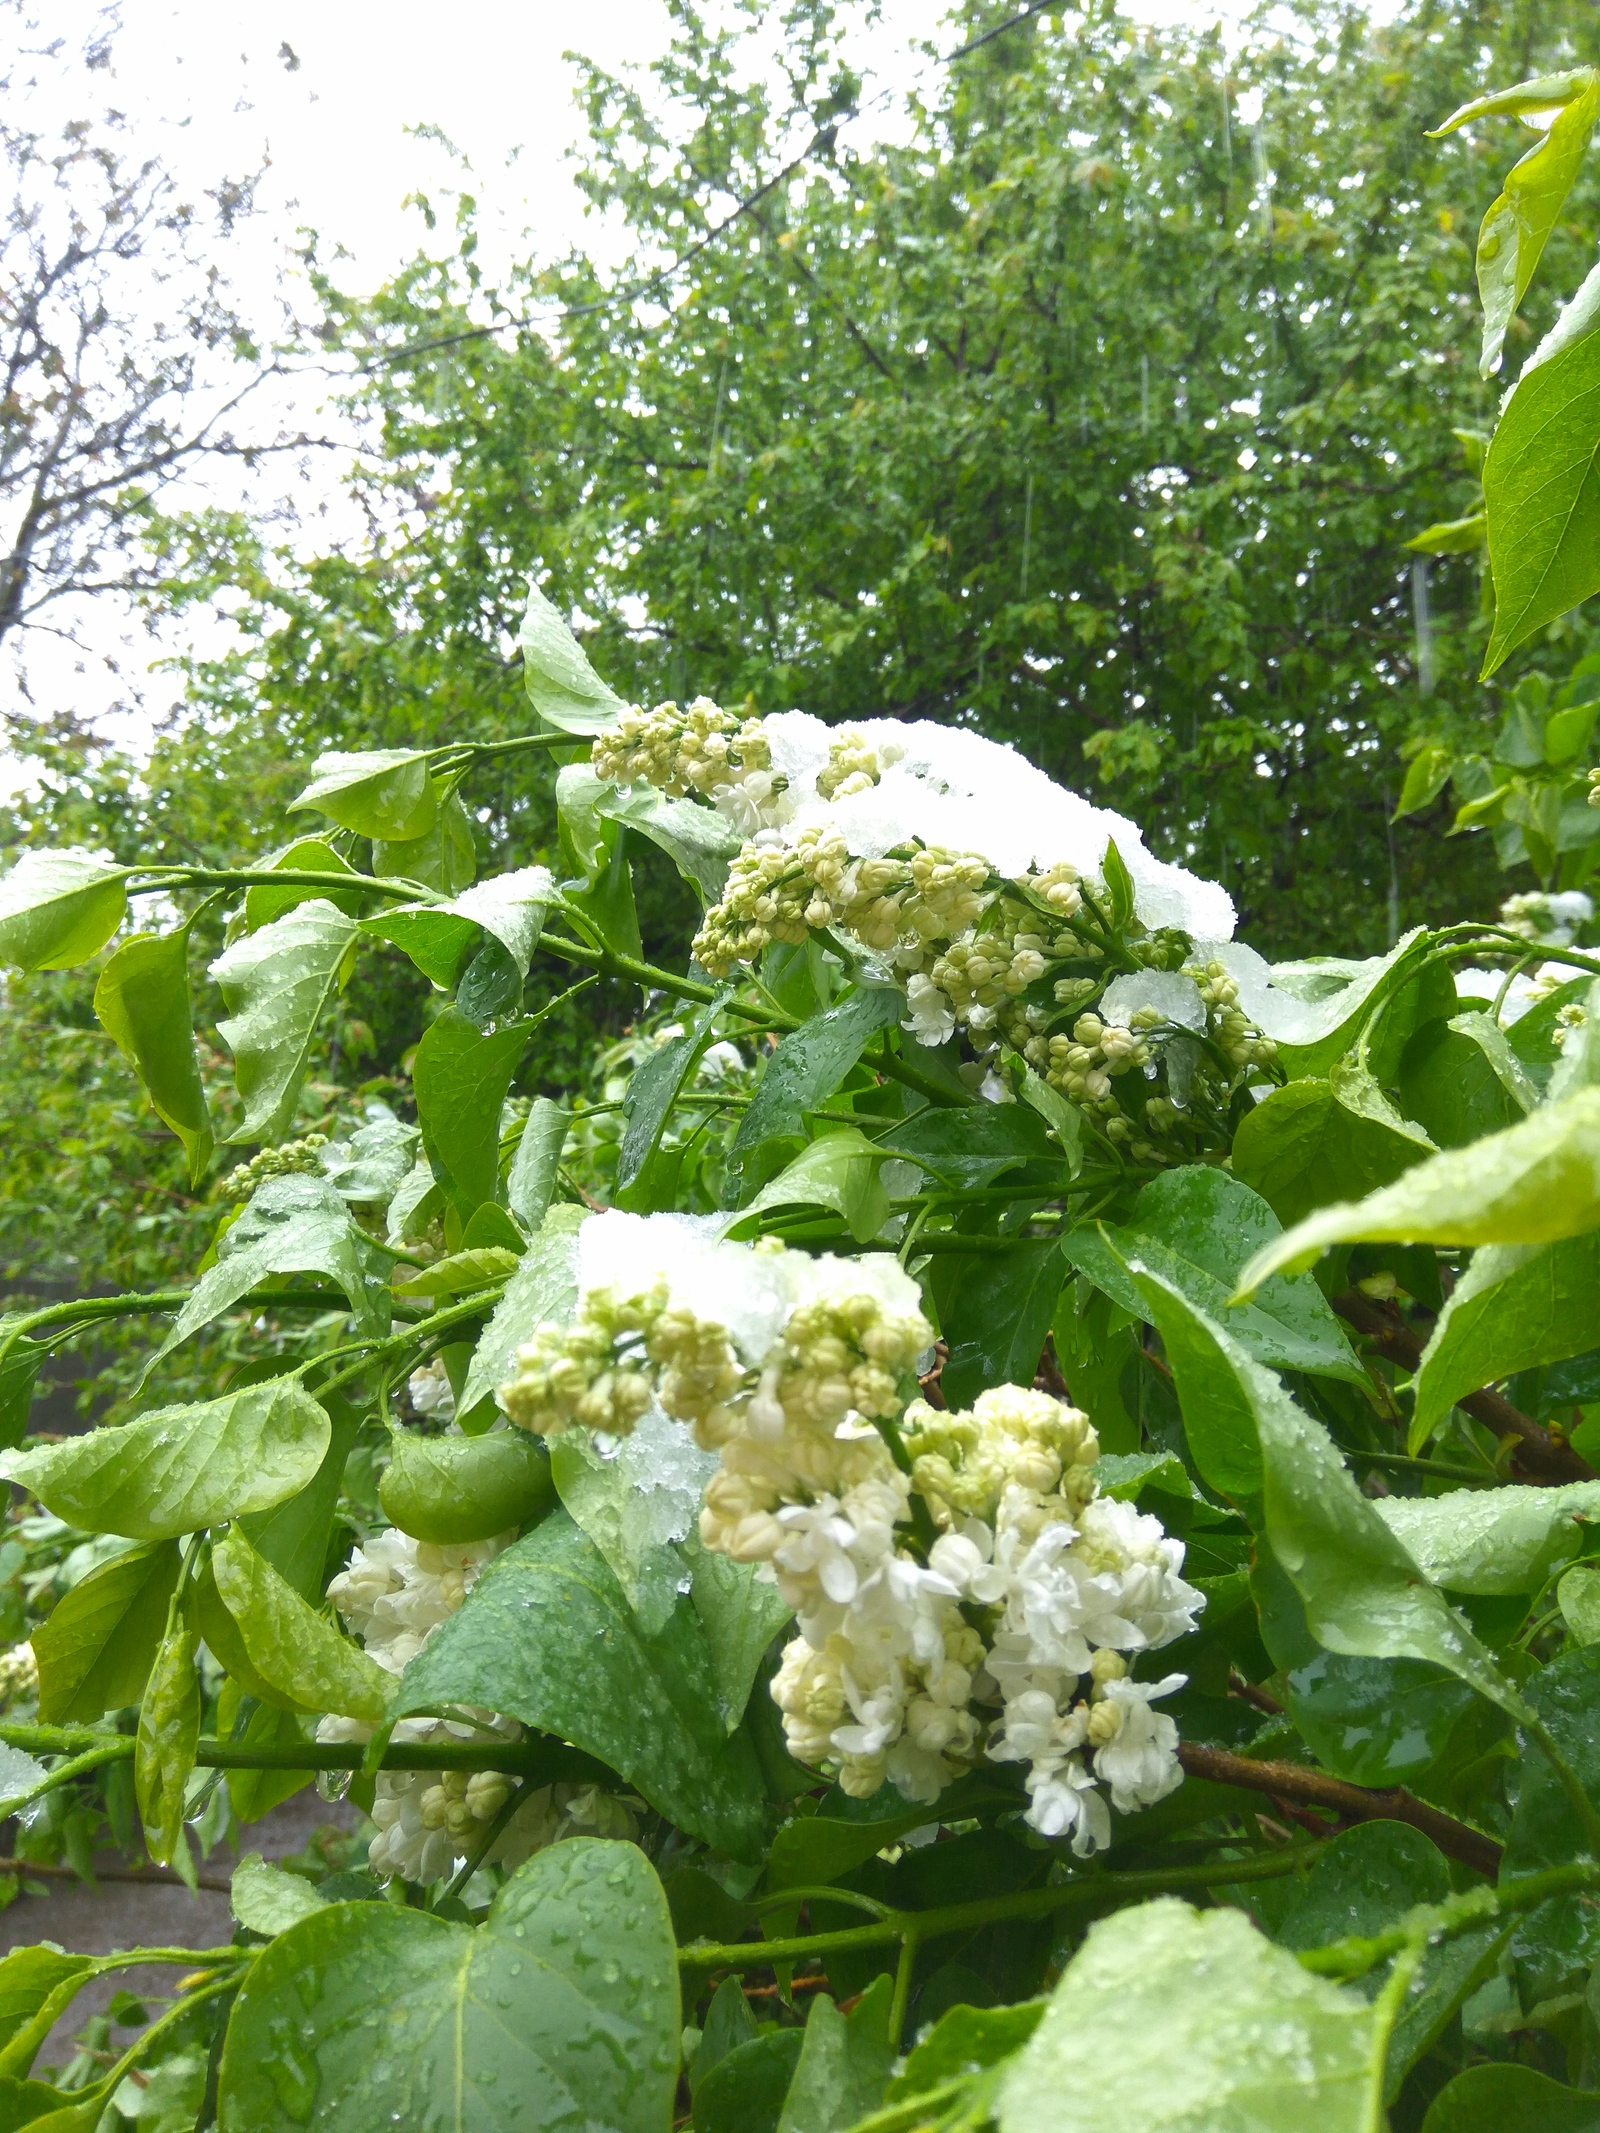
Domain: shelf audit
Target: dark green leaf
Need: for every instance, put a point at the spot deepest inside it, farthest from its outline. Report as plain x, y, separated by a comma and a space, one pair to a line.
20, 1361
1460, 1079
456, 1489
561, 2009
1119, 886
443, 858
96, 1650
844, 2066
729, 2022
311, 855
547, 1636
1199, 1227
180, 1468
654, 1089
995, 1312
969, 1148
142, 997
966, 2040
744, 2091
1564, 1935
461, 1077
811, 1062
531, 1182
1515, 1307
1505, 2099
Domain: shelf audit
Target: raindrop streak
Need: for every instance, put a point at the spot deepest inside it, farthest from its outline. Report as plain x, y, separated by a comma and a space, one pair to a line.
1422, 614
332, 1785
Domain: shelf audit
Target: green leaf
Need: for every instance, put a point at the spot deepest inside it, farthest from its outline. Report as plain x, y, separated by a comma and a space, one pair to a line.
142, 997
180, 1468
969, 1148
20, 1362
371, 1166
266, 1900
169, 1733
1168, 2017
1363, 1593
1494, 2099
699, 842
450, 1490
1313, 1011
377, 792
1315, 1141
461, 1077
1519, 222
1197, 1227
276, 984
535, 1167
58, 909
28, 1978
294, 1535
845, 2063
439, 938
840, 1170
995, 1312
290, 1225
263, 902
547, 1636
740, 1617
544, 1287
1578, 1596
1563, 1935
293, 1647
635, 1503
1119, 886
1491, 1540
1451, 536
729, 2022
1460, 1079
1219, 1421
1542, 489
462, 1274
561, 2009
1536, 1183
562, 686
745, 2090
811, 1062
444, 858
651, 1094
1515, 1307
96, 1649
966, 2040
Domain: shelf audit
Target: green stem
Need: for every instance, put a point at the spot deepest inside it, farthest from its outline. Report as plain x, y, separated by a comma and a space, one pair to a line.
540, 1759
803, 1894
117, 1750
916, 2111
487, 1842
1089, 1890
900, 2000
1355, 1956
396, 888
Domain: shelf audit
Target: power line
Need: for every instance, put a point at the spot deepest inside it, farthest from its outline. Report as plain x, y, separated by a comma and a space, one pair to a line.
820, 141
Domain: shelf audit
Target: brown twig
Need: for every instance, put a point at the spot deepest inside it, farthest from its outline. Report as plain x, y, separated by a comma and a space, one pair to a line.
1541, 1457
1294, 1783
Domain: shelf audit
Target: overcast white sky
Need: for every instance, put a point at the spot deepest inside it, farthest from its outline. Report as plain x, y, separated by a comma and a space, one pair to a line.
328, 94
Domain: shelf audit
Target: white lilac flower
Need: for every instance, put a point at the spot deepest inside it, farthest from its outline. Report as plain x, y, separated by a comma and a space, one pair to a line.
1137, 1755
430, 1392
932, 1019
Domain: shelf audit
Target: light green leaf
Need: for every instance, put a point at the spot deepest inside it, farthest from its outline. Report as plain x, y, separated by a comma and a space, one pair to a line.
845, 2063
509, 908
839, 1170
142, 997
1198, 1226
267, 1900
96, 1649
264, 901
1578, 1596
20, 1775
1451, 536
276, 984
544, 1287
547, 1636
418, 1200
811, 1062
535, 1167
293, 1647
1541, 485
1491, 1540
699, 842
462, 1274
28, 1978
461, 1077
377, 792
457, 1489
1312, 1141
561, 2009
371, 1166
291, 1225
634, 1502
180, 1468
1519, 222
1515, 1307
1169, 2018
59, 908
562, 686
1536, 1183
169, 1734
444, 858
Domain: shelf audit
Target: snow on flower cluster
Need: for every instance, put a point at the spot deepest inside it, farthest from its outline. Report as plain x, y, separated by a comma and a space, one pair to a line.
1006, 1628
973, 878
395, 1592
